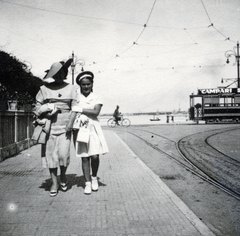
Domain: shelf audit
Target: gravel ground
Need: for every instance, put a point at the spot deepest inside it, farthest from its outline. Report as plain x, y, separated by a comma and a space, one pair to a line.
219, 211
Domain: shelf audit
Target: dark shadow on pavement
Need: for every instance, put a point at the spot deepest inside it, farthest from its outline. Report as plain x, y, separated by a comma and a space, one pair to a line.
72, 180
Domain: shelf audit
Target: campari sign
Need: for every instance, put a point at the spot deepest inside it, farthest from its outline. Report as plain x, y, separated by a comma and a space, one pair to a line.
215, 91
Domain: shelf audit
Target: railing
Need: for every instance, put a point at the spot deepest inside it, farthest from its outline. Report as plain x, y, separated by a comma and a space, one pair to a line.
16, 130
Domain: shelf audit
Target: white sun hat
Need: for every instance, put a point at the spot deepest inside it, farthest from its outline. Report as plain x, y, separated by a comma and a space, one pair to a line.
55, 67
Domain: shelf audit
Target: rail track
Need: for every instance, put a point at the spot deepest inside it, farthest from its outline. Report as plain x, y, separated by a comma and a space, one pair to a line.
194, 153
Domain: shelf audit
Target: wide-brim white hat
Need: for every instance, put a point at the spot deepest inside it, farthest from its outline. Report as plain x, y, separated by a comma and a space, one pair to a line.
55, 68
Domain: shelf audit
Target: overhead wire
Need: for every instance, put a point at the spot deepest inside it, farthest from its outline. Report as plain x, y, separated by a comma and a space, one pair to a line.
211, 23
206, 12
175, 28
190, 36
150, 13
185, 29
70, 14
144, 27
123, 22
226, 38
178, 44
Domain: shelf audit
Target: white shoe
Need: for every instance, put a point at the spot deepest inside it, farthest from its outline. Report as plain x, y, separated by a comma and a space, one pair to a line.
88, 188
94, 184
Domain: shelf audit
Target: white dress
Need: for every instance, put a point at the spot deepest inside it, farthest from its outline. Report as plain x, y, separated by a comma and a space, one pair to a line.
97, 143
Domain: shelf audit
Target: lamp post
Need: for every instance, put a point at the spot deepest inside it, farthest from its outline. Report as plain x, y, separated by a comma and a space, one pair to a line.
76, 61
235, 53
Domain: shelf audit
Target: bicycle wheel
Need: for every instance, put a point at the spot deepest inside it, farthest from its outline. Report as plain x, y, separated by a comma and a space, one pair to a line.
111, 123
126, 122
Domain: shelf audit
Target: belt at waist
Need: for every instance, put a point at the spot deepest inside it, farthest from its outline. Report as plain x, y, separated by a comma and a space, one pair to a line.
63, 111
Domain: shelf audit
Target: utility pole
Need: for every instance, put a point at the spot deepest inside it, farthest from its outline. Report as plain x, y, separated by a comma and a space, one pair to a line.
235, 53
76, 62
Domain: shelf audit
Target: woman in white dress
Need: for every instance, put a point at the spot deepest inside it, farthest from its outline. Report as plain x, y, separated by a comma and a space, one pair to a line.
89, 138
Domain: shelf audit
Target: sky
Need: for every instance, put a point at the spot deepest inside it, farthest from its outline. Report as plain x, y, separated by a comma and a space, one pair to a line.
147, 55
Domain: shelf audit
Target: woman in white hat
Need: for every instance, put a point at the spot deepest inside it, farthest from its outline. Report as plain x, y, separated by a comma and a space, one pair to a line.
90, 141
53, 102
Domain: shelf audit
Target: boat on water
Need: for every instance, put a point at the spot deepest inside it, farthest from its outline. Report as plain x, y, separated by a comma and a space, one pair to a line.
155, 118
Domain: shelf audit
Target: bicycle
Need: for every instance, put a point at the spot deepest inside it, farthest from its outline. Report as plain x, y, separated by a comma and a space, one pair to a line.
125, 122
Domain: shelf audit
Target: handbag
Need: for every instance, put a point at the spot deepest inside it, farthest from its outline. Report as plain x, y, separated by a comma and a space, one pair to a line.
41, 130
77, 121
37, 132
83, 134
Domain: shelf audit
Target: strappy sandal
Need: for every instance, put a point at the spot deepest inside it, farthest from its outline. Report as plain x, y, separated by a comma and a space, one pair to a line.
63, 186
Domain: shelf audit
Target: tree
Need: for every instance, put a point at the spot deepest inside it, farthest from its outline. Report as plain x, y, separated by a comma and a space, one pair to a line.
15, 77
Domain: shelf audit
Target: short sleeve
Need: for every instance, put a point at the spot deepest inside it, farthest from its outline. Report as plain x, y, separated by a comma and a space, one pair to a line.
98, 100
39, 101
75, 97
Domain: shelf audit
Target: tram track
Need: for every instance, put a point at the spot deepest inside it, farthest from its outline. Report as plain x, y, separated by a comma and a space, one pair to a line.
229, 157
221, 169
195, 154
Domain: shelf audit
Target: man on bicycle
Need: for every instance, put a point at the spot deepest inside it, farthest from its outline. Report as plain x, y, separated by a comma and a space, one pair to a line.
116, 115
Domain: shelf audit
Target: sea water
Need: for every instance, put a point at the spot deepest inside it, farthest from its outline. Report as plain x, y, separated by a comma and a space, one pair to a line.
146, 119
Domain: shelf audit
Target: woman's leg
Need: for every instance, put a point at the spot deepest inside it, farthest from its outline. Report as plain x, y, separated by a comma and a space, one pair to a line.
86, 168
63, 179
63, 174
63, 151
53, 174
95, 164
86, 173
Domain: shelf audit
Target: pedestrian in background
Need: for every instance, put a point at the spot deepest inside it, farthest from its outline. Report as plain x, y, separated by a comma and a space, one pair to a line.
53, 104
88, 135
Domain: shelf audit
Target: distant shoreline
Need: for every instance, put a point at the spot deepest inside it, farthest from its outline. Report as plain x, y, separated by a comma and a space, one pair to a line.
150, 113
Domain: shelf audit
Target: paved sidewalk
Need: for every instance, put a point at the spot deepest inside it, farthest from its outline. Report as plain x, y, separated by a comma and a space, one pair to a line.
131, 199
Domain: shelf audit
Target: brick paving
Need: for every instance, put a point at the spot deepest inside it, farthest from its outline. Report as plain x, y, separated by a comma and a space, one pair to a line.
131, 199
